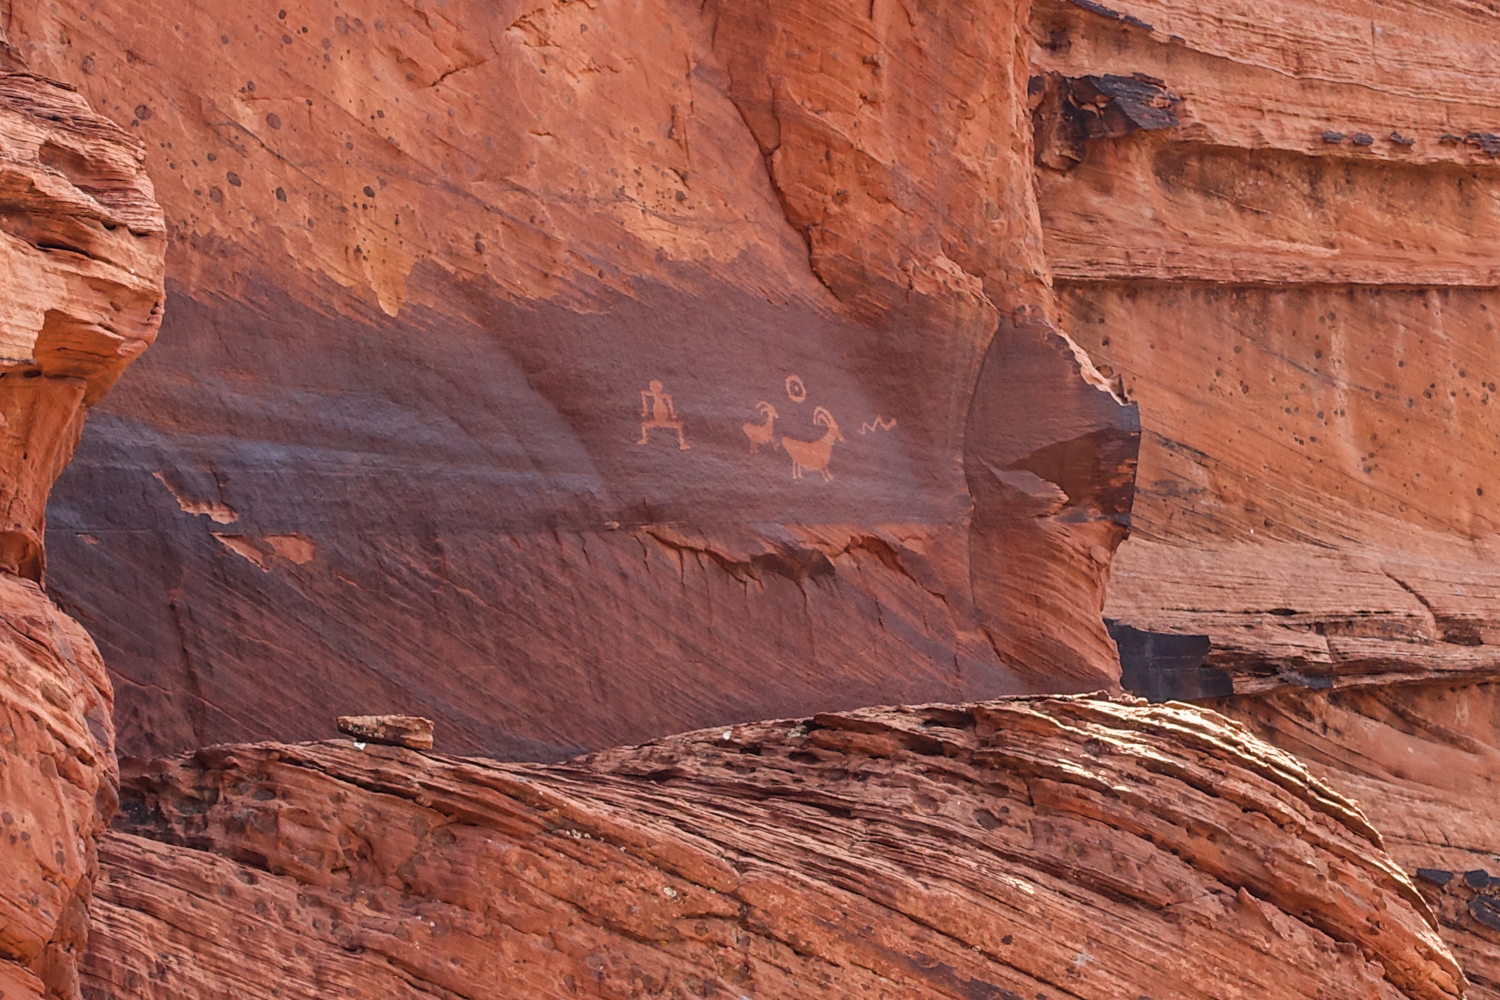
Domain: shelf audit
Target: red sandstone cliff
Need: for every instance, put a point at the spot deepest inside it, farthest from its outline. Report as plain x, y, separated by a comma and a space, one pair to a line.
426, 264
427, 261
80, 296
1276, 237
1424, 763
576, 373
1295, 278
1049, 848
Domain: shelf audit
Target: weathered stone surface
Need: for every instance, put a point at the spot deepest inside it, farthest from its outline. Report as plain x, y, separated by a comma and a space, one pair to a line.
395, 433
1310, 338
1296, 281
80, 281
1423, 761
1049, 847
57, 789
80, 296
572, 373
400, 445
391, 730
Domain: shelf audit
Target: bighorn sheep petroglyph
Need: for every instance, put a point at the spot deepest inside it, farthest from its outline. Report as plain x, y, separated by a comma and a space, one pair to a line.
812, 456
764, 433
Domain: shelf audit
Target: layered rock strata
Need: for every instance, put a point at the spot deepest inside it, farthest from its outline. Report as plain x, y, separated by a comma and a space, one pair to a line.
80, 295
430, 264
1423, 761
572, 374
1029, 848
1278, 233
81, 282
575, 373
57, 790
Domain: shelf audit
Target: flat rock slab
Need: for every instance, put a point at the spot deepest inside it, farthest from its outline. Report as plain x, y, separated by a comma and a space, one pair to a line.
389, 730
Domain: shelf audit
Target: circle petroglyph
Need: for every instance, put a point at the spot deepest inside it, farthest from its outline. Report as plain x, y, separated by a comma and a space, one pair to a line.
795, 389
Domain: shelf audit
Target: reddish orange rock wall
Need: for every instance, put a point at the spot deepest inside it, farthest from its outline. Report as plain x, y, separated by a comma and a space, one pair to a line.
1038, 848
1288, 263
579, 373
399, 448
57, 790
1296, 281
81, 282
1423, 761
80, 297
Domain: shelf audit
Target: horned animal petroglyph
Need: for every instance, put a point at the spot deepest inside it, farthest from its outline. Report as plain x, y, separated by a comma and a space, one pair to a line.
813, 456
762, 433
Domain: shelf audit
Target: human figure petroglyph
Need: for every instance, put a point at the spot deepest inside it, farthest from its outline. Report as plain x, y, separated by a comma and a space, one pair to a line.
657, 410
762, 433
813, 456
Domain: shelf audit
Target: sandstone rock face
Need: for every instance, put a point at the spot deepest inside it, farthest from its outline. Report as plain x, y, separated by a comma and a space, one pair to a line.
576, 373
80, 278
80, 295
1423, 762
1288, 260
57, 789
1030, 848
572, 373
430, 263
1276, 232
406, 427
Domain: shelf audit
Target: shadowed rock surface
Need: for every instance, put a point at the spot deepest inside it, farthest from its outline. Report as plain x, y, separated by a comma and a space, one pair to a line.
458, 409
427, 262
1029, 848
